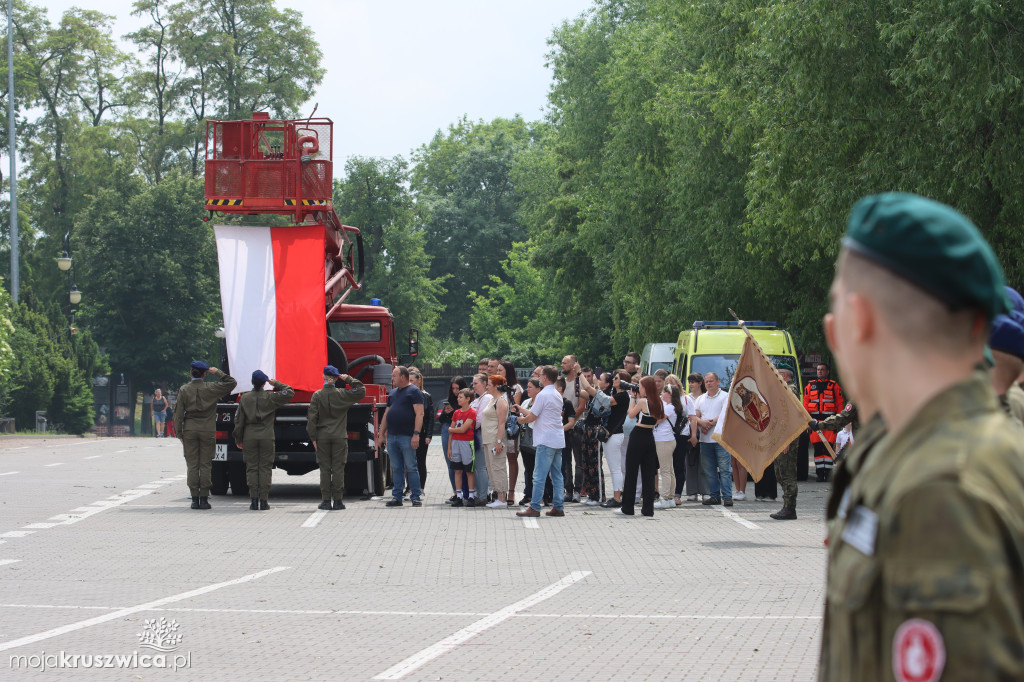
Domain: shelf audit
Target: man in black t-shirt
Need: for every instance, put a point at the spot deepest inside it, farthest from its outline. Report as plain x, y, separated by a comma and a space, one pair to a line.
400, 429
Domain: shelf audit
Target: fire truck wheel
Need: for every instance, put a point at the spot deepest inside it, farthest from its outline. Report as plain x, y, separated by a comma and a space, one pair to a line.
219, 478
236, 473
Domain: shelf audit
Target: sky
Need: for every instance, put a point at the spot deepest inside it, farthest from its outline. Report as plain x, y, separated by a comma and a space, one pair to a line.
400, 70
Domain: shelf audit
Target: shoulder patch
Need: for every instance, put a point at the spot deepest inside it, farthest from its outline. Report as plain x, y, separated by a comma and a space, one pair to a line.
918, 652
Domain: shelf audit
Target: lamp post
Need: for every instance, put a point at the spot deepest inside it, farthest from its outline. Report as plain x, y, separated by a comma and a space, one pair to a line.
64, 264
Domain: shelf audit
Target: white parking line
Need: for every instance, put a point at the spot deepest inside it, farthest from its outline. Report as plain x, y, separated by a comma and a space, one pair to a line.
6, 562
16, 533
314, 518
56, 464
403, 614
447, 644
738, 519
93, 457
121, 613
8, 473
530, 523
117, 452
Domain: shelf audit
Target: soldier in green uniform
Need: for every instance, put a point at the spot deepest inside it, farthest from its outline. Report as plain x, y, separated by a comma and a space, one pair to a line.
254, 427
327, 426
1007, 345
785, 464
926, 547
195, 416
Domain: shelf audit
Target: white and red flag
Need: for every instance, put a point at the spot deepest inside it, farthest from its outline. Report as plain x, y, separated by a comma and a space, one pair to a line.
272, 296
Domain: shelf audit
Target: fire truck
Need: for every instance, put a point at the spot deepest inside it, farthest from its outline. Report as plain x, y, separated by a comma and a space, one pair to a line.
267, 167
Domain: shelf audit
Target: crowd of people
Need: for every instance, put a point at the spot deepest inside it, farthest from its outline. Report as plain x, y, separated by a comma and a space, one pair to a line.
652, 434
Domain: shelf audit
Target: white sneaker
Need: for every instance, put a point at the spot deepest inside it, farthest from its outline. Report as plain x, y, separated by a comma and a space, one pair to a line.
692, 498
498, 503
739, 496
618, 510
591, 502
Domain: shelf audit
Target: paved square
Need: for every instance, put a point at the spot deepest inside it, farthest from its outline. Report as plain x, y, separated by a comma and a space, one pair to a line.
98, 545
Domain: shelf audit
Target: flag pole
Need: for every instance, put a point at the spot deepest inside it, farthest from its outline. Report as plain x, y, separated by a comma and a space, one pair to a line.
743, 326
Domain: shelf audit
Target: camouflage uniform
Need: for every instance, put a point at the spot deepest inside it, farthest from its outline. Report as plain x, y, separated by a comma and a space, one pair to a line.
195, 416
1013, 403
327, 426
785, 468
929, 529
254, 430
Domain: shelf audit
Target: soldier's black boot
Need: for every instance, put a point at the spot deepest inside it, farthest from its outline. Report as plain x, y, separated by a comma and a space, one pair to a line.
254, 504
204, 503
784, 514
264, 506
195, 503
326, 505
338, 504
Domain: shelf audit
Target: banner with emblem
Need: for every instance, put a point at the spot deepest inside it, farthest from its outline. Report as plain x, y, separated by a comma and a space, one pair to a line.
762, 416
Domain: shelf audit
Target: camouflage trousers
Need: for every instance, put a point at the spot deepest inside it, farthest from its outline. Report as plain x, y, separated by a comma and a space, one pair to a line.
258, 456
785, 471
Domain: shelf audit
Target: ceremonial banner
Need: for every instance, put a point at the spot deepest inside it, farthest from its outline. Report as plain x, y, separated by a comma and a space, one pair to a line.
272, 296
763, 416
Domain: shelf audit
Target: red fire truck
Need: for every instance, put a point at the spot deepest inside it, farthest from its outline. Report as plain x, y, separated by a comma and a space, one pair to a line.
285, 168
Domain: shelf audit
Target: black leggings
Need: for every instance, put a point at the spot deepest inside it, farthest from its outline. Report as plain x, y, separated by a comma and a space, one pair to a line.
679, 462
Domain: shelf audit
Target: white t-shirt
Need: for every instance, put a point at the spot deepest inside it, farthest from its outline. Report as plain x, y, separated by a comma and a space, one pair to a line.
843, 438
711, 408
663, 430
547, 429
480, 404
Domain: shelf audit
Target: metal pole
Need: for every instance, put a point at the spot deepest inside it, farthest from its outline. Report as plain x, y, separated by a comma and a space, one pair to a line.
15, 273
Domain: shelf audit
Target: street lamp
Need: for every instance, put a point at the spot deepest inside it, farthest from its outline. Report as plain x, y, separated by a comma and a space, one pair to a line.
75, 296
64, 261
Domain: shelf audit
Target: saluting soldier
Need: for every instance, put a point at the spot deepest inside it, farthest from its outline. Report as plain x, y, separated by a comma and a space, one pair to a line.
255, 427
327, 426
927, 541
785, 464
195, 416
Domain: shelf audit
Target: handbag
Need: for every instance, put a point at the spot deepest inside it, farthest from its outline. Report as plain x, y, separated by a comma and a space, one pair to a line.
512, 427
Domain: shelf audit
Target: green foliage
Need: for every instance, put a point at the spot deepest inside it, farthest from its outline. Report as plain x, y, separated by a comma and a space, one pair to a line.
469, 205
45, 374
374, 196
152, 262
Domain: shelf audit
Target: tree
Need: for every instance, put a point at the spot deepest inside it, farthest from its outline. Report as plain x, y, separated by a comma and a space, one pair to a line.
151, 261
463, 186
374, 196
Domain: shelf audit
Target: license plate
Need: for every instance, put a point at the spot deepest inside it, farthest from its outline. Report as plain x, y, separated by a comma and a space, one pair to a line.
222, 453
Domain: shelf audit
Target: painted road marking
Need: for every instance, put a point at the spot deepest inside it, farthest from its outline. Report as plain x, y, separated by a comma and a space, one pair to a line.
314, 518
94, 457
404, 614
5, 562
530, 522
738, 519
117, 452
449, 643
121, 613
56, 464
8, 473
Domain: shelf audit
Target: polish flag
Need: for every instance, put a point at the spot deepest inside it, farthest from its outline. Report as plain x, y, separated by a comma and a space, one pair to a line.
272, 295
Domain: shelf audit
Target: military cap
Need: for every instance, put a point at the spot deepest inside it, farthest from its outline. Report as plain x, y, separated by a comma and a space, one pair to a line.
258, 377
786, 366
930, 245
331, 371
1008, 334
1016, 300
200, 365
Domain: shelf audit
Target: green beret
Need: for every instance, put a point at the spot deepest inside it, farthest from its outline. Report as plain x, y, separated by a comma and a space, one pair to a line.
930, 245
786, 366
